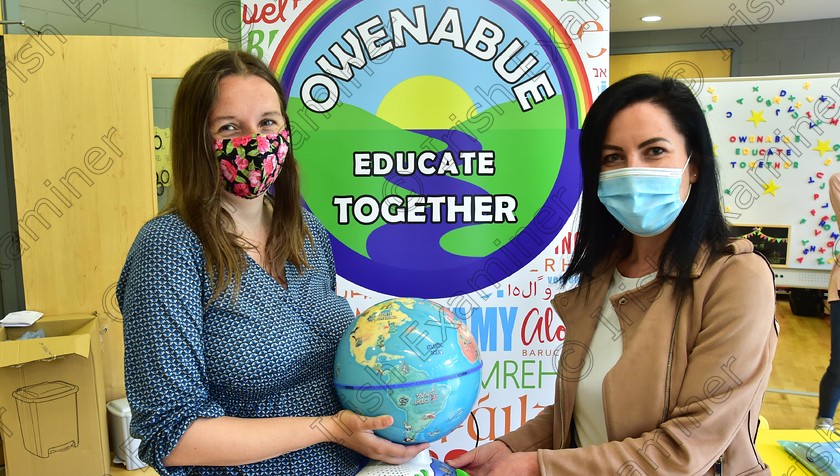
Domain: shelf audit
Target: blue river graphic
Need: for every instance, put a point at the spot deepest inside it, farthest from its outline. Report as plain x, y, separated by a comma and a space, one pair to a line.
389, 243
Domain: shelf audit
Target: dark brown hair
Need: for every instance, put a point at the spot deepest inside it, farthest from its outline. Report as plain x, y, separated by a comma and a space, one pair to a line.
701, 221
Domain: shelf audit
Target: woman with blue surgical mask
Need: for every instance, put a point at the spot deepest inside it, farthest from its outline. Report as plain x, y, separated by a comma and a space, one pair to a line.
670, 334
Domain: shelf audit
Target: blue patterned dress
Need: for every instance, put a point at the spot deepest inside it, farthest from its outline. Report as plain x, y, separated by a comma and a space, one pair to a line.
268, 354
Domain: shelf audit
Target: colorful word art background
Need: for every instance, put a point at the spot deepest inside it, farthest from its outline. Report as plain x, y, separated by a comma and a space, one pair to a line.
437, 142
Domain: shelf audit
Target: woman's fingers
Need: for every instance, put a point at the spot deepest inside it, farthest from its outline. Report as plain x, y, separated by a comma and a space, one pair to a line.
398, 454
379, 422
364, 423
462, 460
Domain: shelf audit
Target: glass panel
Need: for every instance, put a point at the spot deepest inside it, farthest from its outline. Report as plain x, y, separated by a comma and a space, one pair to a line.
163, 97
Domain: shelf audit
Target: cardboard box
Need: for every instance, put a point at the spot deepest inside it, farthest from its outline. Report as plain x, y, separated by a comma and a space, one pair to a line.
52, 399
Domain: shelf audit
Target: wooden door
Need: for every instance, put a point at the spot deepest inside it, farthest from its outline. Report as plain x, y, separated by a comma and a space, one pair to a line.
82, 146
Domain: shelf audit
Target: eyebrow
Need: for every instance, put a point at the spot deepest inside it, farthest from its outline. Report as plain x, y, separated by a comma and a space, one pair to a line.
647, 142
228, 118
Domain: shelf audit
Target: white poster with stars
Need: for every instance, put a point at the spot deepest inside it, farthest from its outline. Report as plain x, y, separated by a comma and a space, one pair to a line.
777, 140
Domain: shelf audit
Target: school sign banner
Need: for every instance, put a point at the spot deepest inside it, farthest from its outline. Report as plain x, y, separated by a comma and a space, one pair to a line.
437, 142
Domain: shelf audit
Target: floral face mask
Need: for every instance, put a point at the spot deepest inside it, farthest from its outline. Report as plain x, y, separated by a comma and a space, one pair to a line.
250, 164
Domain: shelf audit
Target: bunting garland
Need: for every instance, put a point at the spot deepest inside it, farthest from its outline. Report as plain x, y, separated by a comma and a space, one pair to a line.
758, 233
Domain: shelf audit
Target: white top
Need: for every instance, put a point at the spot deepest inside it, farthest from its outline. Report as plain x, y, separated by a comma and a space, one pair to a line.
605, 350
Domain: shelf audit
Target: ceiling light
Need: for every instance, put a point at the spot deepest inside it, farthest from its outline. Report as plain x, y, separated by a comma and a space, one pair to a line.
651, 18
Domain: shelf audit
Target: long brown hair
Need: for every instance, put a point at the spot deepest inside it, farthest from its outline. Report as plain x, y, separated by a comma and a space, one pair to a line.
197, 183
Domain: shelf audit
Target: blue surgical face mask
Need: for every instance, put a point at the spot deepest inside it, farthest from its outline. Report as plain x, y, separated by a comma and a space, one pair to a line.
645, 200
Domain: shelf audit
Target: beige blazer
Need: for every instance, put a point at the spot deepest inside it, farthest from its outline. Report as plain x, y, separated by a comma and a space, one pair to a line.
834, 277
687, 390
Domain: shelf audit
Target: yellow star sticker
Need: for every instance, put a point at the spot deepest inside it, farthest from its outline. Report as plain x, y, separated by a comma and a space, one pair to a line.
771, 188
822, 147
757, 116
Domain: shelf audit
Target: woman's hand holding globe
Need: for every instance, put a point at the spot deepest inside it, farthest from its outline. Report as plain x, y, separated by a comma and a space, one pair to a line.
355, 431
496, 459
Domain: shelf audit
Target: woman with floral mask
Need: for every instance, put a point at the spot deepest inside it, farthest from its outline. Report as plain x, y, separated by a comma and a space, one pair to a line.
228, 297
671, 330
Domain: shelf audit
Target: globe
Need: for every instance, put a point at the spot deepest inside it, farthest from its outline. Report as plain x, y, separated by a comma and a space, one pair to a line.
411, 359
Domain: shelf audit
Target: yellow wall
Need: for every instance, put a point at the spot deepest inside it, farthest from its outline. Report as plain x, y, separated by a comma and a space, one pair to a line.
679, 64
82, 145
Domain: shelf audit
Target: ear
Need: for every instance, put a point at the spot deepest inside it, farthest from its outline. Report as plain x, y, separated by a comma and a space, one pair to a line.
693, 173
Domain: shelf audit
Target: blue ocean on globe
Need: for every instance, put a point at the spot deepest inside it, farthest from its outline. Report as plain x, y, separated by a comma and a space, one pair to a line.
411, 359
